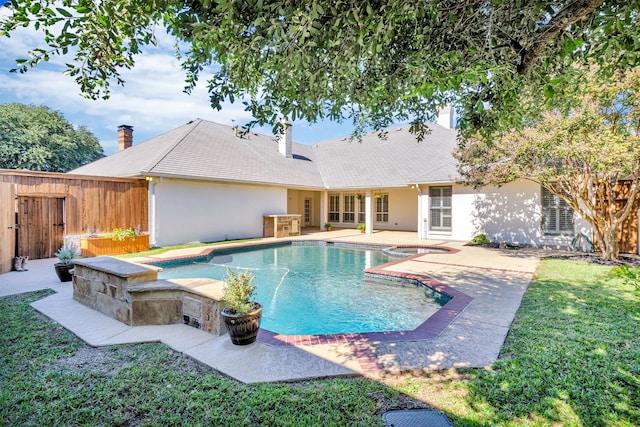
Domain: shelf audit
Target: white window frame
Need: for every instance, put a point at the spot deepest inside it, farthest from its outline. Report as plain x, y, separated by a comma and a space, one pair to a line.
334, 207
440, 208
349, 208
382, 208
557, 215
362, 209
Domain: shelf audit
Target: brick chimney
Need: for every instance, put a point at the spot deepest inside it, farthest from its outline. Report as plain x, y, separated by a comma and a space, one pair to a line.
125, 137
285, 142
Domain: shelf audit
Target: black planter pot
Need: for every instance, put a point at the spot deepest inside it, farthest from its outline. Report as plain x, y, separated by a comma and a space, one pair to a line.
64, 271
243, 330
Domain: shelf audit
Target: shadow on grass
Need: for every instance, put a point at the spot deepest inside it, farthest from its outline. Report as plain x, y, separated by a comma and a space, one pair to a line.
50, 377
571, 356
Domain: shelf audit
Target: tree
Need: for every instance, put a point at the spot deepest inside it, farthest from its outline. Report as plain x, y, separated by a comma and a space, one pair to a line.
589, 156
370, 61
36, 138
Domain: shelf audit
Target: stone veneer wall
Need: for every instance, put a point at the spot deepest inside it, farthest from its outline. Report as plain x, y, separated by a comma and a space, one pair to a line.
132, 294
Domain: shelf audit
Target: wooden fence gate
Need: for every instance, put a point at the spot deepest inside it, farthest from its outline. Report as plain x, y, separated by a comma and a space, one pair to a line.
7, 222
41, 226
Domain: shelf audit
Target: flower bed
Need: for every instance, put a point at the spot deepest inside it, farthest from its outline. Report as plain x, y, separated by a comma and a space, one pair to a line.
95, 246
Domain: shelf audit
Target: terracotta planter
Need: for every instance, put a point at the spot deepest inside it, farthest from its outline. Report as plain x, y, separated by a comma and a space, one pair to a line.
94, 246
64, 271
243, 330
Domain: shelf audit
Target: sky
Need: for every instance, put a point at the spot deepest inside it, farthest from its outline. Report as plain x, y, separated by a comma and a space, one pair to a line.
152, 100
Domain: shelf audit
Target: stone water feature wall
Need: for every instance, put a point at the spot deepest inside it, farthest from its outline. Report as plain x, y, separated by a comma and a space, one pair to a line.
132, 294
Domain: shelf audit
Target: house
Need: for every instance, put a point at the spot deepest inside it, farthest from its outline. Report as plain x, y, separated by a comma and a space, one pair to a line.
207, 182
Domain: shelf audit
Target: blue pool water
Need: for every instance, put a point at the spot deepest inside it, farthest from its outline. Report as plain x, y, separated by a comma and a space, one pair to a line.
322, 290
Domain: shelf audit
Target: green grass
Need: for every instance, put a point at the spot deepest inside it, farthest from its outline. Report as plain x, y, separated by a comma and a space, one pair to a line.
161, 250
49, 377
571, 358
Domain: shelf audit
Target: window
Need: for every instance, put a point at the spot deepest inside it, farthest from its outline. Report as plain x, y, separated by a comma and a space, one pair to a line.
362, 210
382, 207
557, 214
349, 214
334, 207
440, 211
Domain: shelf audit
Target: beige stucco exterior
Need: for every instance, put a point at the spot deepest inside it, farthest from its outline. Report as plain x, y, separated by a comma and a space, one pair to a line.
183, 211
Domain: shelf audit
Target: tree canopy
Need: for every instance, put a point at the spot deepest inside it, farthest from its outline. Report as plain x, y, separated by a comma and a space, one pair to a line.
370, 61
37, 138
589, 155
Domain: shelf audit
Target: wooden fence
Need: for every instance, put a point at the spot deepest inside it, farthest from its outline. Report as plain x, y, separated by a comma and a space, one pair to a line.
83, 205
7, 222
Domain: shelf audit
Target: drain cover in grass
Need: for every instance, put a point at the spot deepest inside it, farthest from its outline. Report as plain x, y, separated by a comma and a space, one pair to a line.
416, 418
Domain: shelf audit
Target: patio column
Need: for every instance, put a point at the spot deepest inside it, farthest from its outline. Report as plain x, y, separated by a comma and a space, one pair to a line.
153, 233
421, 223
368, 205
324, 208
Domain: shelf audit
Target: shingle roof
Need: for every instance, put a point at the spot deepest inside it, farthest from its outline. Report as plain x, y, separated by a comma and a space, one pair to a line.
209, 151
398, 160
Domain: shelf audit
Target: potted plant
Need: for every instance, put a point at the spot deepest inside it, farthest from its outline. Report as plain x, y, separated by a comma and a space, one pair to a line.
328, 226
362, 227
241, 315
66, 255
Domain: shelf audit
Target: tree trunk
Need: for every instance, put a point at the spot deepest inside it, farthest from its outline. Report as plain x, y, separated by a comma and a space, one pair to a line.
610, 243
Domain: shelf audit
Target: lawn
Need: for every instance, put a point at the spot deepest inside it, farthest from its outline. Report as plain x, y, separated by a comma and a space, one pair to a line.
571, 358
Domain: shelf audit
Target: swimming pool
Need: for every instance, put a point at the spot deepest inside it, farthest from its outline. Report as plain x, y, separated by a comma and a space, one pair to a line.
321, 289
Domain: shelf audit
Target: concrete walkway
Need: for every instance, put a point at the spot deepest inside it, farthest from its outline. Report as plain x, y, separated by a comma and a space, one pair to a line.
494, 279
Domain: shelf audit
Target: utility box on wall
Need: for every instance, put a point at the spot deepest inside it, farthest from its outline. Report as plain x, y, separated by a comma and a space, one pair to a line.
281, 225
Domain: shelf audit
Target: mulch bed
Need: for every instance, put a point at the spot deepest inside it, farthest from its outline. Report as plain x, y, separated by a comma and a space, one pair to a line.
631, 260
596, 258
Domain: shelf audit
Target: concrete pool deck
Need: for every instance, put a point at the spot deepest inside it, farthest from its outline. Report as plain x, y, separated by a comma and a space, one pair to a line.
494, 280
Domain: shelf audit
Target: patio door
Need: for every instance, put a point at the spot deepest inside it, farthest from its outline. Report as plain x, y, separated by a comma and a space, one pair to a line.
307, 212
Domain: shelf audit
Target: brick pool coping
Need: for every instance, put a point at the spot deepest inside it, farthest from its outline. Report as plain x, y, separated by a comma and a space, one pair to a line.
429, 329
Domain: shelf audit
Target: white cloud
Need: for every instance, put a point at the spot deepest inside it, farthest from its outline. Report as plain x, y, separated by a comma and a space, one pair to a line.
152, 100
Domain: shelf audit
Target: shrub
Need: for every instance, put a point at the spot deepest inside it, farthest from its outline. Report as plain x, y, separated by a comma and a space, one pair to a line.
121, 233
238, 290
628, 274
67, 253
480, 239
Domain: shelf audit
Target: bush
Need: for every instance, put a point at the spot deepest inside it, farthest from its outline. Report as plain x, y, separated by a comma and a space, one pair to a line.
480, 239
121, 233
